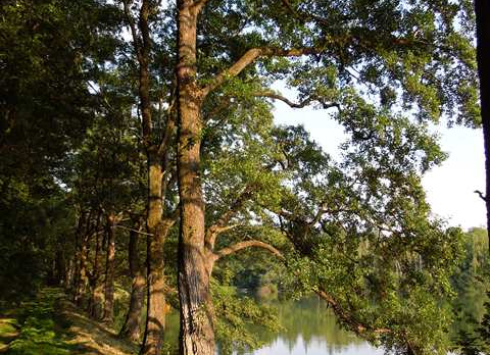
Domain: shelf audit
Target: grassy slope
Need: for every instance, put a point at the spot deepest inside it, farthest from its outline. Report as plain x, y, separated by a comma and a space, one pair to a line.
52, 325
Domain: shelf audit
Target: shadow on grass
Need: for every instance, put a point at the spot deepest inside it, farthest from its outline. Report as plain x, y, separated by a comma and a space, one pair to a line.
92, 337
40, 333
52, 325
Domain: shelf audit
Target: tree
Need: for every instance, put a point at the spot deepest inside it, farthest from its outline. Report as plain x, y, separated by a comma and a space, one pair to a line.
395, 47
482, 11
158, 129
47, 53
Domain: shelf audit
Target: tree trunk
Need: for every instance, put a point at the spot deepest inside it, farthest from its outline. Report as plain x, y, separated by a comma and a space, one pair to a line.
82, 278
82, 274
131, 326
157, 226
482, 10
70, 271
95, 307
60, 267
157, 231
79, 272
110, 270
196, 315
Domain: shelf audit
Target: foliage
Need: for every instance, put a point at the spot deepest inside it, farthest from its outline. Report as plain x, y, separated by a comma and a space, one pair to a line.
358, 231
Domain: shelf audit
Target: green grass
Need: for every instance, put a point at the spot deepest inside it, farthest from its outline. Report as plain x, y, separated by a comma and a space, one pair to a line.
8, 332
41, 332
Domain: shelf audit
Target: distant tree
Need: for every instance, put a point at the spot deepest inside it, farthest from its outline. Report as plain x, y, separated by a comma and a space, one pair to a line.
47, 53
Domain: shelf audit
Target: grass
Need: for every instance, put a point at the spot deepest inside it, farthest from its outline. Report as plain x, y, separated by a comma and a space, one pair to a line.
42, 332
8, 332
52, 325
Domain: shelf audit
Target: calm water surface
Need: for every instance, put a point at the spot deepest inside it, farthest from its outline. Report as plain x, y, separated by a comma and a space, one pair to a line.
309, 328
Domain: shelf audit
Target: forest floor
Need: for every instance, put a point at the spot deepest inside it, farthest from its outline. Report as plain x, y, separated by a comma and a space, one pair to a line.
52, 325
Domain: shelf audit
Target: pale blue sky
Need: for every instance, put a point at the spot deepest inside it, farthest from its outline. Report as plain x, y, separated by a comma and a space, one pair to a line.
449, 187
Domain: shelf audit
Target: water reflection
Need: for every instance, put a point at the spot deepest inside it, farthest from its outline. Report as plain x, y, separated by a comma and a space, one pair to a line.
309, 328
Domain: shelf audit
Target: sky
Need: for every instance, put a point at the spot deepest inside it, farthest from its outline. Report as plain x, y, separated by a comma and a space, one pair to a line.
449, 187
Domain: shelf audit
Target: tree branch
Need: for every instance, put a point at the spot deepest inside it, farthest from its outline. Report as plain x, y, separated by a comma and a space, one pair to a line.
356, 326
304, 103
303, 16
132, 26
251, 56
220, 225
248, 244
198, 5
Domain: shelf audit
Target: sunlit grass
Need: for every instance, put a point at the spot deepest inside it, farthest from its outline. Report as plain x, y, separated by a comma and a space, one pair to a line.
40, 332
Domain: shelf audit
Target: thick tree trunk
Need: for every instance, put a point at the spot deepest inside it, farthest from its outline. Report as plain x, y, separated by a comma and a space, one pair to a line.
157, 229
196, 314
482, 10
131, 326
110, 271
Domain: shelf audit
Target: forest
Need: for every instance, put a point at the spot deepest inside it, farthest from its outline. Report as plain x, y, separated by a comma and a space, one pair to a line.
151, 204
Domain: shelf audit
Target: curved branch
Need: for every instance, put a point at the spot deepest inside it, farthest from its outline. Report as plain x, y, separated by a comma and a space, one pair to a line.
221, 225
356, 326
304, 103
248, 244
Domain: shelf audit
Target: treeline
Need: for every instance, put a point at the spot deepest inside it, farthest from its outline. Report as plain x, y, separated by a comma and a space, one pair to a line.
138, 150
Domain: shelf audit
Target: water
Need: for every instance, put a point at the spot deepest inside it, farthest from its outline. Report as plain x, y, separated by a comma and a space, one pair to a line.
309, 328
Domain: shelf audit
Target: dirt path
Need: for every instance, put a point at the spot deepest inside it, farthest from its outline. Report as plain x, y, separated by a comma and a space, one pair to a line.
91, 337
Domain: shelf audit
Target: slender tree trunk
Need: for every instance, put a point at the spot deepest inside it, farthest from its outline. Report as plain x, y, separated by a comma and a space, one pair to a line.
157, 229
82, 279
82, 274
482, 10
70, 271
60, 267
157, 225
131, 326
95, 308
78, 258
196, 315
110, 271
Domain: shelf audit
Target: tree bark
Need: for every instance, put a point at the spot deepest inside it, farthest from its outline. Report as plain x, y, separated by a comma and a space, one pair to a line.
158, 229
95, 307
131, 326
482, 10
157, 226
110, 270
196, 313
81, 272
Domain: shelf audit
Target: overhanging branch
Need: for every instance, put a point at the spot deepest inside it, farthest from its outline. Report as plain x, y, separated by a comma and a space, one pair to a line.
248, 244
301, 104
